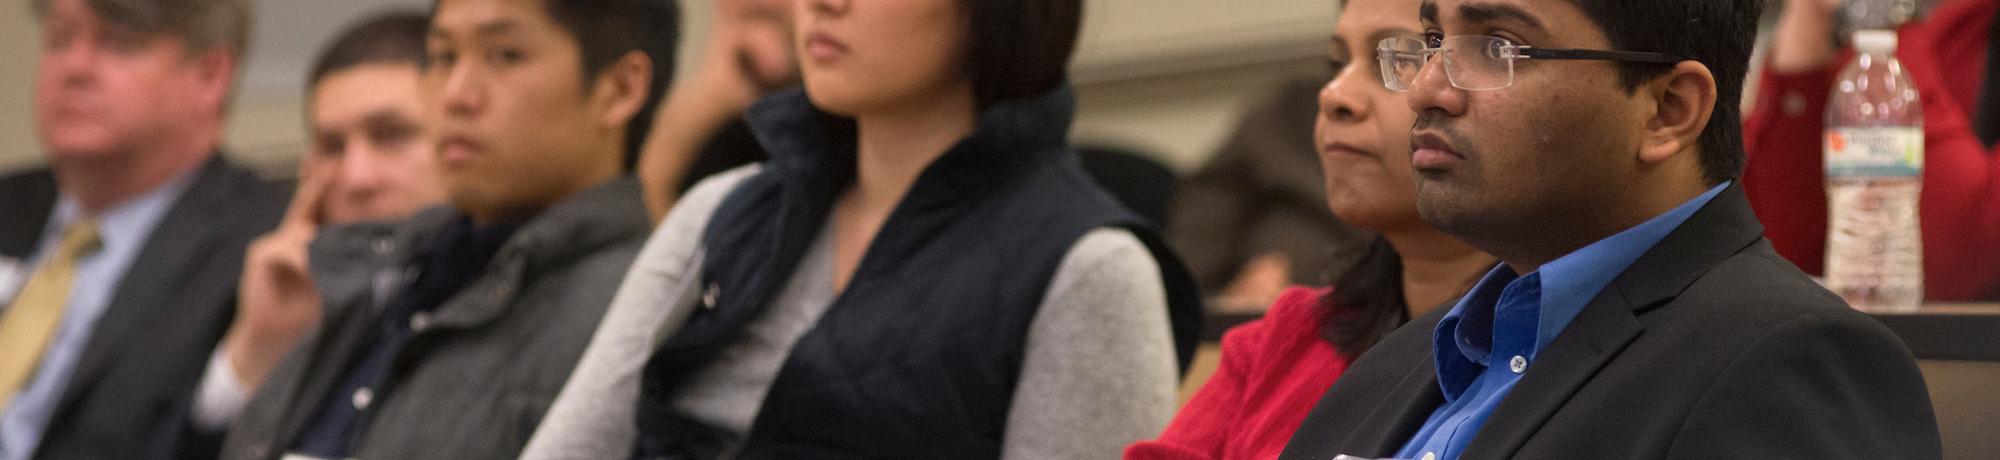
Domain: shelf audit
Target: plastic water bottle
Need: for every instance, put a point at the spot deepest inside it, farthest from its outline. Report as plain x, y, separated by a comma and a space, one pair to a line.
1878, 14
1874, 173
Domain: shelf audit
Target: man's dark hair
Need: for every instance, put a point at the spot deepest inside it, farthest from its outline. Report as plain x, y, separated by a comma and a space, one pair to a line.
1019, 48
389, 38
1716, 33
607, 29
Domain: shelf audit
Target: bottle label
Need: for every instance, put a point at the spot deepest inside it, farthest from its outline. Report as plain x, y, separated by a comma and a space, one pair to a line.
1879, 151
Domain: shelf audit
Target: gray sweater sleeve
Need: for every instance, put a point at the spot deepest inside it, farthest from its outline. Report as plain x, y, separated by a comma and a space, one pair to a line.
1099, 369
593, 415
1098, 372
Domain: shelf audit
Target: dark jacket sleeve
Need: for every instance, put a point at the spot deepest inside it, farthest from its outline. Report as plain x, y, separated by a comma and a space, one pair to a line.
1824, 386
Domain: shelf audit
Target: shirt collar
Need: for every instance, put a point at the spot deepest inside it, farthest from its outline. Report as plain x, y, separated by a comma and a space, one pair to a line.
1553, 295
1463, 340
126, 223
1571, 281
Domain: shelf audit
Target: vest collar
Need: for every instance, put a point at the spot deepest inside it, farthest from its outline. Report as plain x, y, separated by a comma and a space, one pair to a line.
1008, 138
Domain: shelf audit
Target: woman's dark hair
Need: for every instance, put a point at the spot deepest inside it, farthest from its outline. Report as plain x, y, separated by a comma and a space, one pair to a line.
1987, 117
1716, 33
1367, 301
1019, 48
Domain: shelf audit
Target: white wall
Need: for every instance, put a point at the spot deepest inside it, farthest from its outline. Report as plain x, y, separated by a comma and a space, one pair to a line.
1165, 76
18, 38
1182, 118
1171, 77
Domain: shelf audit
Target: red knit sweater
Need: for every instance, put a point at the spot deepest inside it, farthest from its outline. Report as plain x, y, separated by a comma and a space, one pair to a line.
1959, 210
1272, 372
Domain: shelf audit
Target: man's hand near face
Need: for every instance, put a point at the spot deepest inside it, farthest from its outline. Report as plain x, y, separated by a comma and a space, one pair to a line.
748, 55
276, 301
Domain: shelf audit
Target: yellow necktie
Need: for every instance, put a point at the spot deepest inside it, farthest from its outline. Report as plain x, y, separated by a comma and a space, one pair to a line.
29, 323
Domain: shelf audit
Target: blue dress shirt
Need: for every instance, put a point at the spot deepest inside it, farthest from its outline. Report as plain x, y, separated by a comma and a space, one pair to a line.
123, 230
1490, 338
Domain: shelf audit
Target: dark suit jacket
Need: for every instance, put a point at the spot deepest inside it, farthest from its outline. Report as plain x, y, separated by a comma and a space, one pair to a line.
1709, 346
130, 392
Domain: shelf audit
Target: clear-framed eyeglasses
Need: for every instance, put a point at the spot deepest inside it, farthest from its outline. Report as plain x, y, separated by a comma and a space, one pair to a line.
1482, 62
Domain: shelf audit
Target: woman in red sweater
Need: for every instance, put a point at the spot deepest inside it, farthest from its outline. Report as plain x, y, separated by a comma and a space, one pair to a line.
1959, 212
1274, 369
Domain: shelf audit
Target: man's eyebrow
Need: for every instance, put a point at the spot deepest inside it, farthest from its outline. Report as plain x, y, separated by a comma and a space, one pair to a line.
387, 118
1428, 12
1391, 32
500, 27
1490, 13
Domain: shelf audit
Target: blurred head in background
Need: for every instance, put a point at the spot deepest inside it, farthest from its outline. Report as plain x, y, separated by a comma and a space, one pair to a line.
132, 92
369, 126
539, 99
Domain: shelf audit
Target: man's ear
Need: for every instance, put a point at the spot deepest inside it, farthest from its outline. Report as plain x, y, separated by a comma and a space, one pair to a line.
215, 76
620, 89
1684, 100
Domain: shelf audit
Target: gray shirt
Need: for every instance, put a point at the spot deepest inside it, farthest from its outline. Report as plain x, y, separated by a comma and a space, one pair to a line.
1097, 374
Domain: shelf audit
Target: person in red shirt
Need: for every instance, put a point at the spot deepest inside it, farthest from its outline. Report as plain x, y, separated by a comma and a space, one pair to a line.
1945, 53
1274, 369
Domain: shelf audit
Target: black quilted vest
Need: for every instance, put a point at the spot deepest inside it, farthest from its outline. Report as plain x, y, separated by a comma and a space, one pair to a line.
918, 357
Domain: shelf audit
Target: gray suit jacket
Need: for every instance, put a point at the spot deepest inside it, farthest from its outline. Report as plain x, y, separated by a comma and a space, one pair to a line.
479, 373
132, 389
1709, 346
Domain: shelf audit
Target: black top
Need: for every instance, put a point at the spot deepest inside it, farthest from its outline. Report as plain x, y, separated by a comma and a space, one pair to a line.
918, 356
1986, 115
733, 146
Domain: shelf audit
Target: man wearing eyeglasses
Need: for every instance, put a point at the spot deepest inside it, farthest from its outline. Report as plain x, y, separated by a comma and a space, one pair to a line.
1593, 146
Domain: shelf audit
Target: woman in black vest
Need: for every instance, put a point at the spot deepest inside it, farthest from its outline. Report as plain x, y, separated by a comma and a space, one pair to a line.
921, 269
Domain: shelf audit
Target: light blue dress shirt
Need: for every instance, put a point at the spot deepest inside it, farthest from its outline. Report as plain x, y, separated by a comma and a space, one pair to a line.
1489, 340
123, 230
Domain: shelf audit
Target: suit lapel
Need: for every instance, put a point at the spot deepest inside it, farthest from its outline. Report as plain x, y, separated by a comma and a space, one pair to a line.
178, 247
1589, 342
30, 198
1383, 398
1408, 406
1720, 229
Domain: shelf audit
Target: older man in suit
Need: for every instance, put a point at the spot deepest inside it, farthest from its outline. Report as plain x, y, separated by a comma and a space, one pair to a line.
1593, 147
118, 263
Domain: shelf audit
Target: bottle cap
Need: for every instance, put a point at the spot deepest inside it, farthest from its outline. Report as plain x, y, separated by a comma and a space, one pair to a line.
1875, 41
